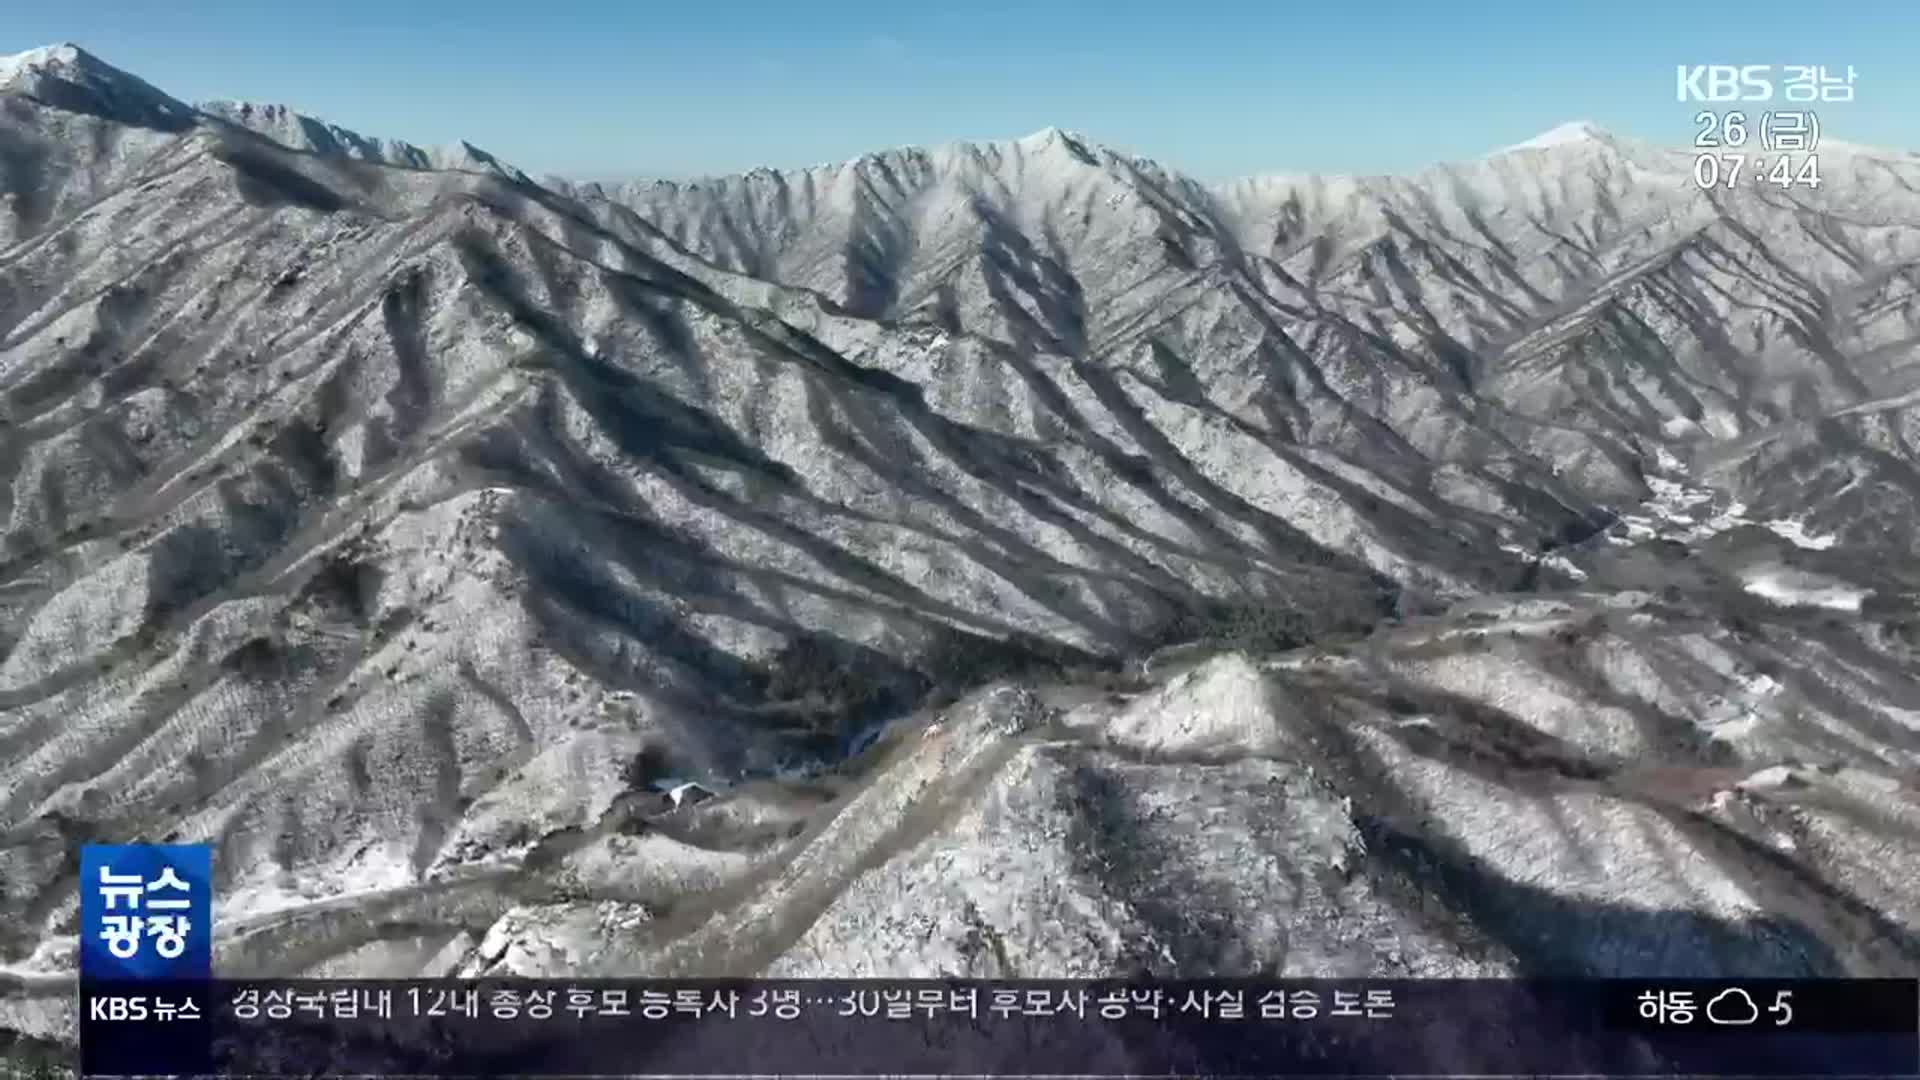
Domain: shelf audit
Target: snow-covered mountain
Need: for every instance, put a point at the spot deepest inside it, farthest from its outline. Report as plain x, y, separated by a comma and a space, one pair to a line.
1055, 565
302, 132
68, 78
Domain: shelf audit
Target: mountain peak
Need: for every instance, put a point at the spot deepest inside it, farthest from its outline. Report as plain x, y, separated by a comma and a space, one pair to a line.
1056, 140
1049, 134
1567, 134
59, 57
68, 77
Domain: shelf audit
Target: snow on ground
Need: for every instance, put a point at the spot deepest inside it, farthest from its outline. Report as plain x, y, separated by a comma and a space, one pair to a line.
1553, 561
369, 872
1685, 511
1795, 531
1795, 588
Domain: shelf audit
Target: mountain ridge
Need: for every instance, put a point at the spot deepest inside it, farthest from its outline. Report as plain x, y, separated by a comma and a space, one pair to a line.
318, 135
299, 131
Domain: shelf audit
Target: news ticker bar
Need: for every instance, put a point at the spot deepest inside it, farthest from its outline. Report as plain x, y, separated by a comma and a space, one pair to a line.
1209, 1027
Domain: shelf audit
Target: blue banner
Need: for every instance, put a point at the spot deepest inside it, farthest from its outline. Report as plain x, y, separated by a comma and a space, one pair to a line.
146, 912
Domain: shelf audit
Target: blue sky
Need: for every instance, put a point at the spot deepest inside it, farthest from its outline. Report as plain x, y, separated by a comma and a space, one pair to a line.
651, 88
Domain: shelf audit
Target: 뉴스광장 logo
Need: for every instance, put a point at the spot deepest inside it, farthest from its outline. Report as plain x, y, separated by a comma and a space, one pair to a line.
145, 911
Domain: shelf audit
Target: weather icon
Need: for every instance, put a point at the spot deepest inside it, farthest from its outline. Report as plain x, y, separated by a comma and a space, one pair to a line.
1732, 1007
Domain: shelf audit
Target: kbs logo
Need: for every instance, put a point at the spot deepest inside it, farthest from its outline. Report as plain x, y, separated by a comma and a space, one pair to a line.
1755, 82
117, 1008
1725, 82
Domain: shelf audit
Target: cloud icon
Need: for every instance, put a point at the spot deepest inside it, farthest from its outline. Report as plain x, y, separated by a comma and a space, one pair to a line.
1733, 1006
